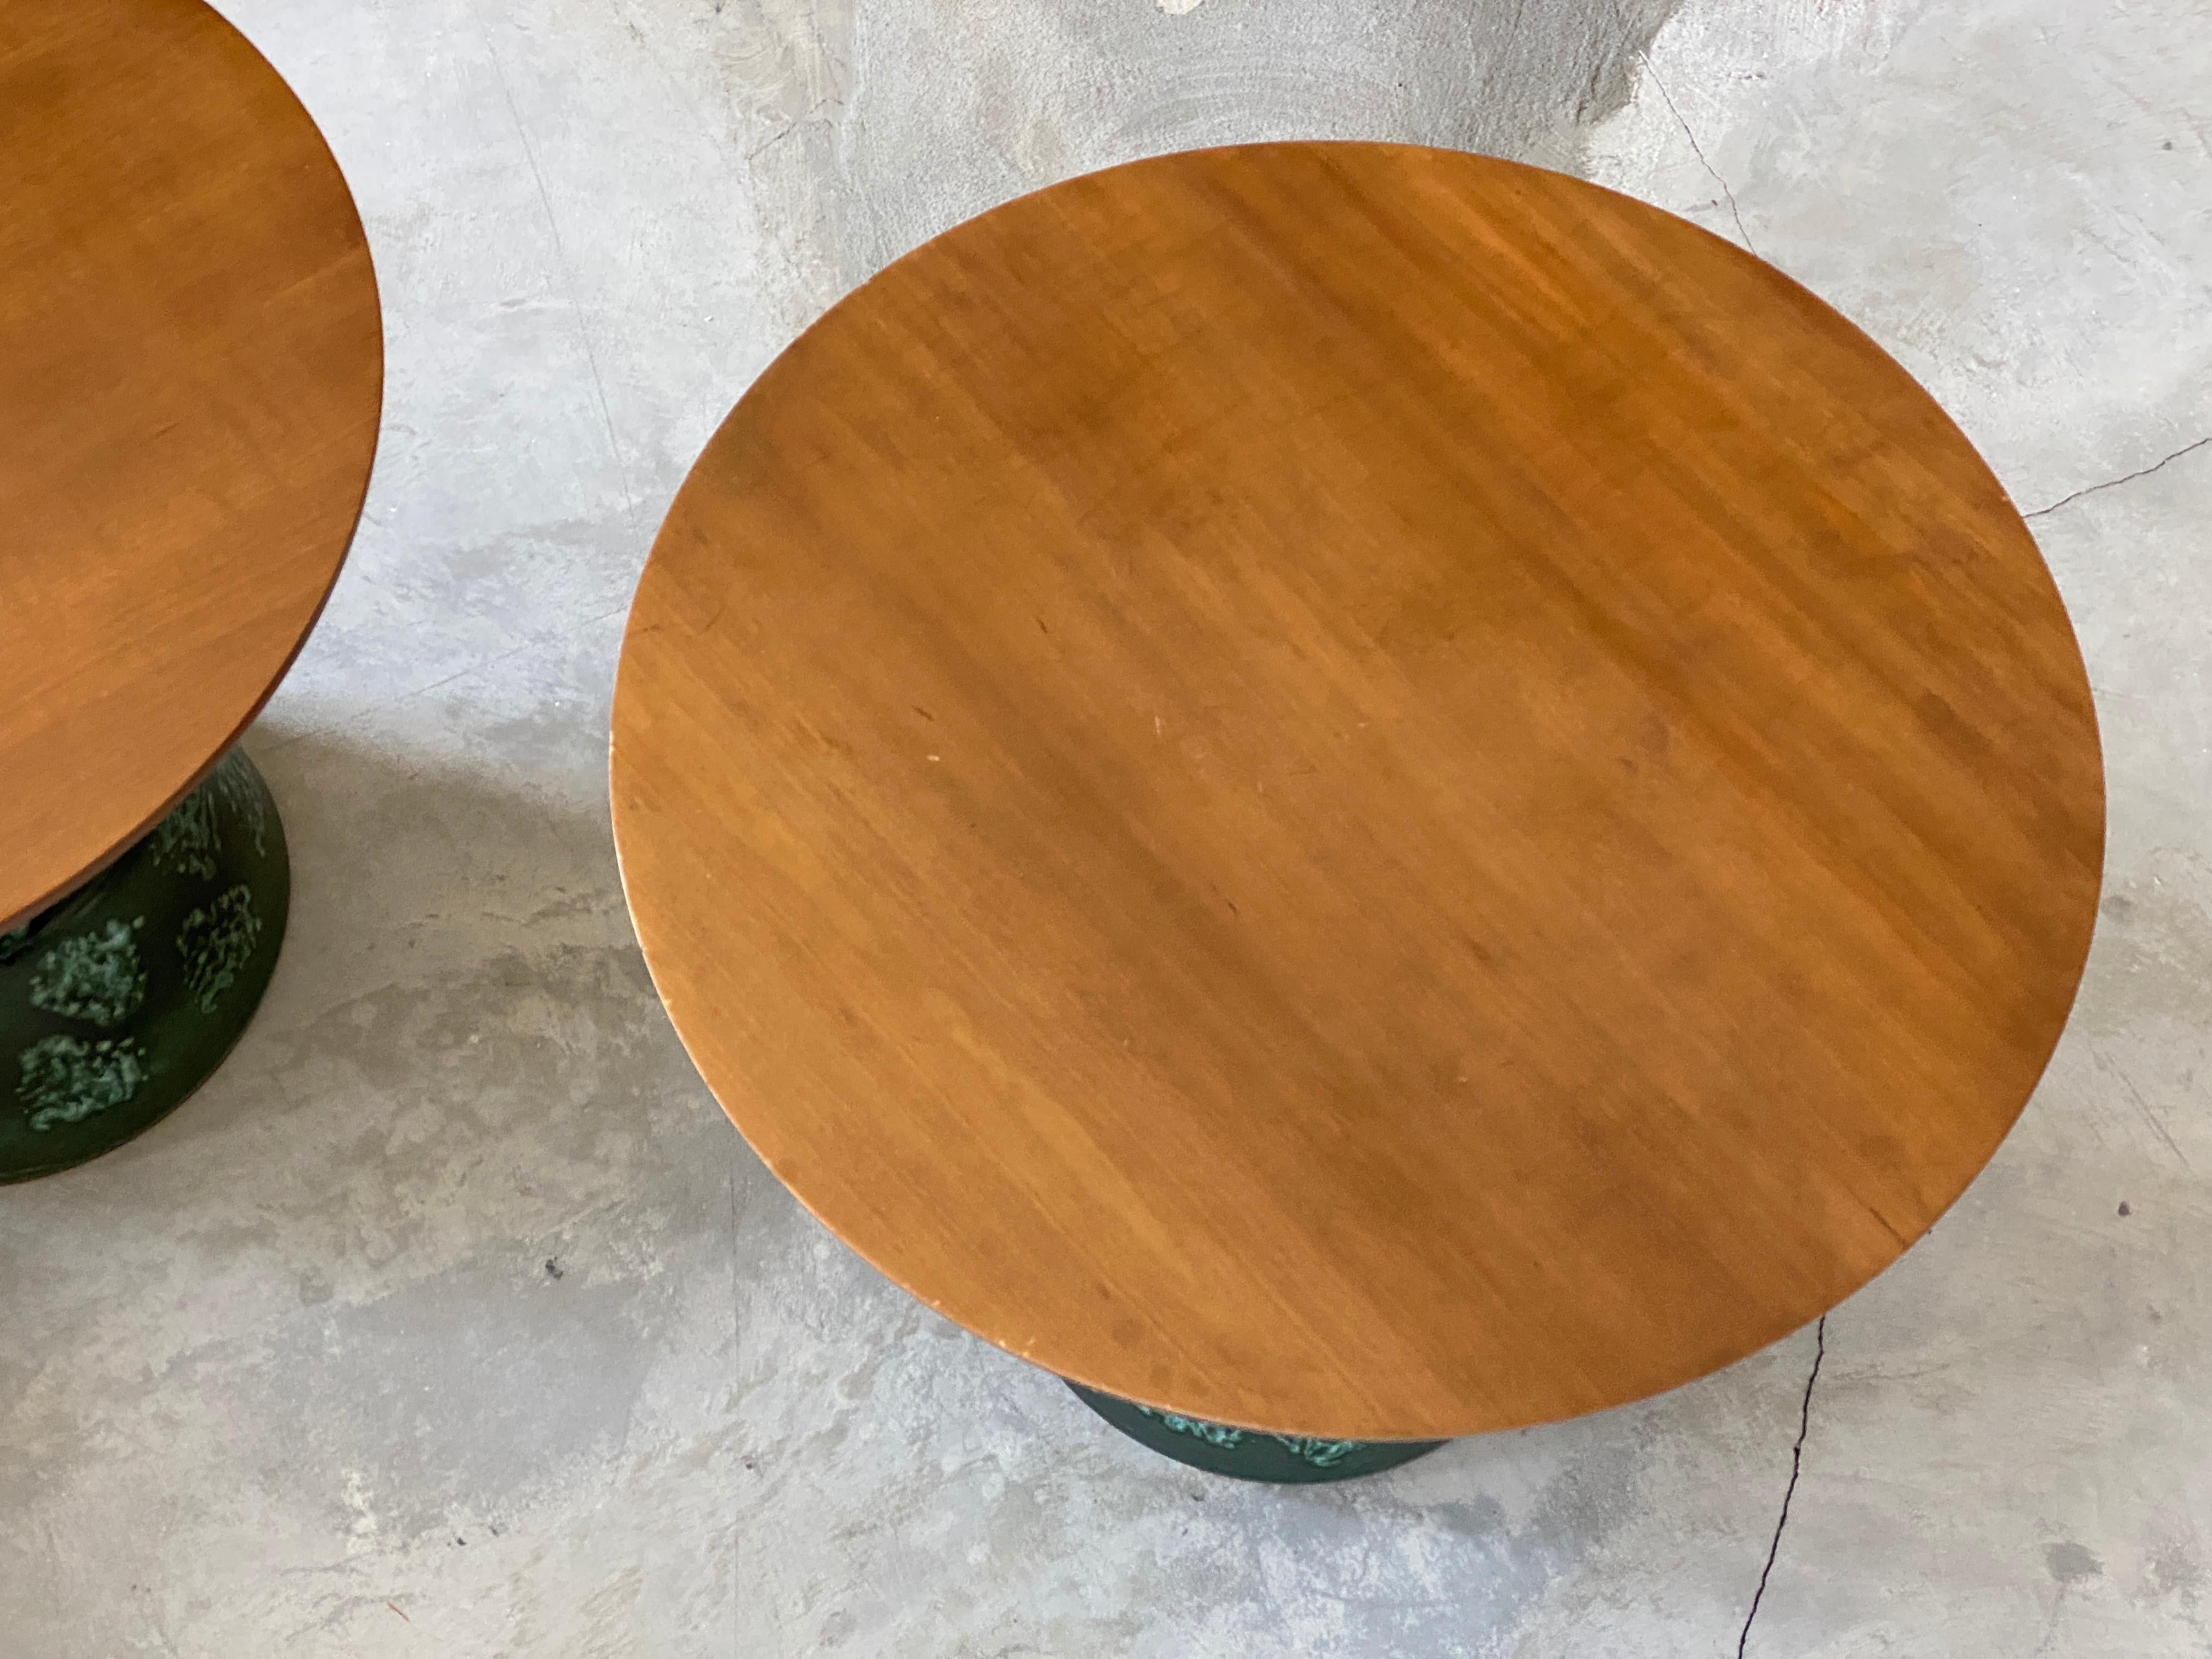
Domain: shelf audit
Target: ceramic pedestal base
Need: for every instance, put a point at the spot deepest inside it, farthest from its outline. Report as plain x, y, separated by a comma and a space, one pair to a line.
115, 1003
1247, 1454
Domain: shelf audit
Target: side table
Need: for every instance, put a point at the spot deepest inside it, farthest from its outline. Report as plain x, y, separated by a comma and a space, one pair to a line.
190, 373
1355, 795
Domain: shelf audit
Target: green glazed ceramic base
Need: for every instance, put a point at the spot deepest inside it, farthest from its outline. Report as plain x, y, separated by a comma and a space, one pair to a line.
1247, 1454
115, 1003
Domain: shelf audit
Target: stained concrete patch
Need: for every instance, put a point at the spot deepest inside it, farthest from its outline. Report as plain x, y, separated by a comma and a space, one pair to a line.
2070, 1564
881, 125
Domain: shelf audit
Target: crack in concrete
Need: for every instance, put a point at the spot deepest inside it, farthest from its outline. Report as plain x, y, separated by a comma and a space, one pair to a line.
1796, 1464
1698, 150
2125, 478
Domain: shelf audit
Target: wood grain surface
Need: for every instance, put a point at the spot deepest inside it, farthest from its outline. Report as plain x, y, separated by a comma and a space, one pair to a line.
1357, 790
191, 372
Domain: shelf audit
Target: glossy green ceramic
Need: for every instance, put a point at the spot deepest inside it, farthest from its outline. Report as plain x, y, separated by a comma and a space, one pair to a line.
1247, 1454
115, 1003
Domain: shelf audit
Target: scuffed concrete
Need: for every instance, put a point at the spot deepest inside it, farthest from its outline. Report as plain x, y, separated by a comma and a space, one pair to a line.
890, 123
453, 1319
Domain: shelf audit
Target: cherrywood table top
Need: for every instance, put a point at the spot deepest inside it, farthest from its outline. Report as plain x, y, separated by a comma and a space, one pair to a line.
1357, 790
191, 372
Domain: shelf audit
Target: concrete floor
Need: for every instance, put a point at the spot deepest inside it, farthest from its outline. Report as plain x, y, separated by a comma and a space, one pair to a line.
453, 1319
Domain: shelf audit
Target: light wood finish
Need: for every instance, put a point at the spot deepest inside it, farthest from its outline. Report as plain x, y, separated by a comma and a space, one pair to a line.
191, 369
1356, 790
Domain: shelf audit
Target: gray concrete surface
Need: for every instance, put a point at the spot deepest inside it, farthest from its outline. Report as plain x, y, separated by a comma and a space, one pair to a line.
452, 1319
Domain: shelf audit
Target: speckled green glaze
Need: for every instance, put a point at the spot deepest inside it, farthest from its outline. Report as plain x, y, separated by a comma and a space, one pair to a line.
1247, 1454
117, 1003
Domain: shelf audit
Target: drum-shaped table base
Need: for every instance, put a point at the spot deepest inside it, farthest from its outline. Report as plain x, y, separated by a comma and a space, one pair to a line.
1248, 1454
119, 1000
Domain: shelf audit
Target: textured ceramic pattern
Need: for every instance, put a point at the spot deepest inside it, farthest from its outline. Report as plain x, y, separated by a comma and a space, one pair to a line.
1248, 1454
115, 1004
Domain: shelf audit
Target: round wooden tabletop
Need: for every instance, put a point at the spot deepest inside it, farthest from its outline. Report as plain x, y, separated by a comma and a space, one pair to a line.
1357, 790
191, 371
